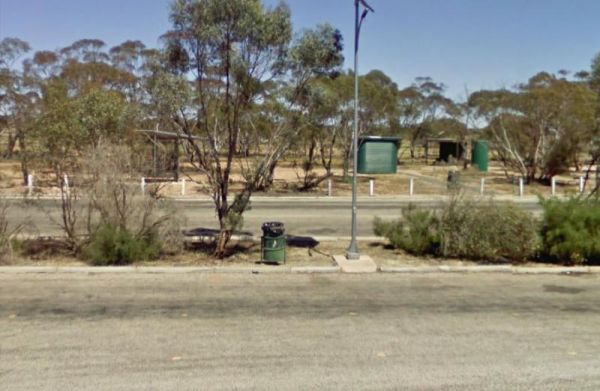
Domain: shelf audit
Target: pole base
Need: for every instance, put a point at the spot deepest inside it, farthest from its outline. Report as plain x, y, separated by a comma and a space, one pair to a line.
363, 264
352, 255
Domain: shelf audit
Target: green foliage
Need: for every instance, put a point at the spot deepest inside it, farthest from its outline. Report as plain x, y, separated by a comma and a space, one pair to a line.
112, 245
539, 128
318, 52
67, 125
571, 230
487, 230
595, 74
7, 233
5, 239
478, 230
416, 232
100, 115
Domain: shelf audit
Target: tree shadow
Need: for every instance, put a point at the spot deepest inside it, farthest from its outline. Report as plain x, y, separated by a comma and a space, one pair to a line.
302, 241
204, 240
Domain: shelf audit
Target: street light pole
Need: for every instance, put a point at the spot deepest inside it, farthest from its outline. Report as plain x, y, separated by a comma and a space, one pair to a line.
352, 253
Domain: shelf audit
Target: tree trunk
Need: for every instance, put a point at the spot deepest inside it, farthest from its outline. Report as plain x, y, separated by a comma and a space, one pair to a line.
23, 155
222, 241
346, 166
10, 147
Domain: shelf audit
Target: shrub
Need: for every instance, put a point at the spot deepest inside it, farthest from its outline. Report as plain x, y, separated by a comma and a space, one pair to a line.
7, 233
108, 194
487, 230
415, 233
5, 237
571, 230
469, 229
116, 246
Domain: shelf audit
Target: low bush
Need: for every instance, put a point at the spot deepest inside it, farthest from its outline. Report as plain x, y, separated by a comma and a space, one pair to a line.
112, 245
416, 232
487, 230
571, 230
5, 237
469, 229
108, 219
7, 233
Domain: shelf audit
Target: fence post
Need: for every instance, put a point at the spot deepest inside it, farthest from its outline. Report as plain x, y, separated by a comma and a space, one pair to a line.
521, 189
482, 186
66, 184
581, 184
329, 188
30, 184
371, 187
143, 185
411, 186
553, 186
182, 186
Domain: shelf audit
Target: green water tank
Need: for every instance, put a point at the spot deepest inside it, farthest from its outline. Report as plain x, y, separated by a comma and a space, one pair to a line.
480, 155
378, 155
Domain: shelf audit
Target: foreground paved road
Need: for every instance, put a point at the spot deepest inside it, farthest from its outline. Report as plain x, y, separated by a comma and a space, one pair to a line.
312, 217
211, 331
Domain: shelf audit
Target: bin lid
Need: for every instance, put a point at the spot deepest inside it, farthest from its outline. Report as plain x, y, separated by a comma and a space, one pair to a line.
274, 227
272, 224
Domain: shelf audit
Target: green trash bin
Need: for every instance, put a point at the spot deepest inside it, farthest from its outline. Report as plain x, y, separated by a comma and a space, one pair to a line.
272, 244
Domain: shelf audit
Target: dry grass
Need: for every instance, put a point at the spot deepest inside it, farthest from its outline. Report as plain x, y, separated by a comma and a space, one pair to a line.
248, 255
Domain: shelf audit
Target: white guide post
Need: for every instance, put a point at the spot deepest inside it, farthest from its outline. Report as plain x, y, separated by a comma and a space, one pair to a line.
30, 184
553, 186
66, 183
371, 188
411, 186
521, 187
482, 186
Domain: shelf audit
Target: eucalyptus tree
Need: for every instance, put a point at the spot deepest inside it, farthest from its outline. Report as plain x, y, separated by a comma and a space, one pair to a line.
232, 50
322, 129
539, 128
594, 75
420, 105
15, 98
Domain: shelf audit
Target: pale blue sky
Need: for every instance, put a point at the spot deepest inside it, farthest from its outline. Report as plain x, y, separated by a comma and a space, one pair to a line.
463, 43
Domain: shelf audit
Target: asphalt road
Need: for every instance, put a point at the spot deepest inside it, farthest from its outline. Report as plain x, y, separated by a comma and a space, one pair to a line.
319, 217
228, 331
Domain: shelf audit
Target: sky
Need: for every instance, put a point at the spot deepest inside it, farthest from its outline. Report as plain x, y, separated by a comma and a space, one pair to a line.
466, 44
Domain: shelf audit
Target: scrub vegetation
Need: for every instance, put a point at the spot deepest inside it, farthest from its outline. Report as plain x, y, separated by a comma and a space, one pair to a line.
242, 95
463, 228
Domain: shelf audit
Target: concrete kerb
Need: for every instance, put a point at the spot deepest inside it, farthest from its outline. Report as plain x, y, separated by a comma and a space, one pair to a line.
164, 269
492, 269
517, 270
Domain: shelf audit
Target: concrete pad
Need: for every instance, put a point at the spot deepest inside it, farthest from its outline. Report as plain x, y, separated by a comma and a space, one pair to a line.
363, 265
